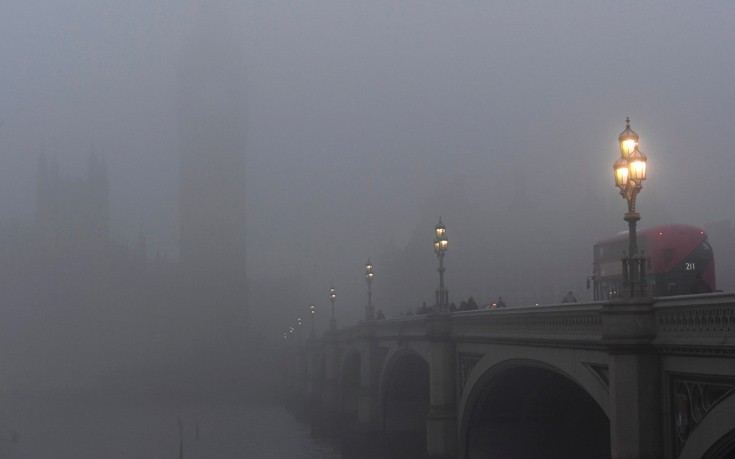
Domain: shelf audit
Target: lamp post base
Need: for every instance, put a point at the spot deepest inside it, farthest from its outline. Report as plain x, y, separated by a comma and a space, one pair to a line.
634, 277
634, 265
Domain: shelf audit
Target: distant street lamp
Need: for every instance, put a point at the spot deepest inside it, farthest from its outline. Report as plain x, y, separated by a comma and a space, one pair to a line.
440, 248
333, 298
298, 329
312, 313
630, 172
369, 311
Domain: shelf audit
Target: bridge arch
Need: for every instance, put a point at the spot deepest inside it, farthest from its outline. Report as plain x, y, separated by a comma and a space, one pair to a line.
579, 367
317, 374
714, 437
349, 383
523, 407
404, 391
404, 402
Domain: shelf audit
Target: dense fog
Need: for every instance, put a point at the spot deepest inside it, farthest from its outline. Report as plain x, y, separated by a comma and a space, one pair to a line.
180, 180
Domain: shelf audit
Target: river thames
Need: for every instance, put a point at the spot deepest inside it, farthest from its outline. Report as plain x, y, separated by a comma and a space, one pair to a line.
56, 429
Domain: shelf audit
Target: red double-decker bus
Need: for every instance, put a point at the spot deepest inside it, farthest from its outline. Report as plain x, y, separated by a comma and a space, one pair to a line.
679, 261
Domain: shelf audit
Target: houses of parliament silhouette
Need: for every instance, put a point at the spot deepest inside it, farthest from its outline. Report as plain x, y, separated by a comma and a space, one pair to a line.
107, 308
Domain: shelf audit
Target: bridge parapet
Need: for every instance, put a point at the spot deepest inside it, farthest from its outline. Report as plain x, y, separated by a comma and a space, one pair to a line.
404, 327
697, 321
703, 320
558, 323
580, 322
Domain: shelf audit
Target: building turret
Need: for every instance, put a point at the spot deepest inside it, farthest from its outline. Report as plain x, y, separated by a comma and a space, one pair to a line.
73, 212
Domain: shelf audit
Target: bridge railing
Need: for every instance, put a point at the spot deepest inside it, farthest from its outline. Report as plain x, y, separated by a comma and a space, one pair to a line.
567, 322
704, 320
696, 320
575, 322
412, 326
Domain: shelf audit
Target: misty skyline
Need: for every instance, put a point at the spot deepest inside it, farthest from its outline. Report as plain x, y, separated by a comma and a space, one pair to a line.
359, 114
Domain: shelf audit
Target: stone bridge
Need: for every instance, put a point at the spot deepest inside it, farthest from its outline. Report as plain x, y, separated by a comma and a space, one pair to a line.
643, 378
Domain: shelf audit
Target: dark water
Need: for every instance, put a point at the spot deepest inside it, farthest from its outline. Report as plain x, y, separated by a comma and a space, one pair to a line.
53, 429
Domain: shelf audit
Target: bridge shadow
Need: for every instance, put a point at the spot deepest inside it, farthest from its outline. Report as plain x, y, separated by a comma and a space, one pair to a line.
406, 395
350, 386
404, 404
533, 412
382, 445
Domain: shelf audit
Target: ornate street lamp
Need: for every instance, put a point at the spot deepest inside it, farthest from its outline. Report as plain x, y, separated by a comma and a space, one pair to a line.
332, 298
312, 313
369, 311
440, 248
630, 172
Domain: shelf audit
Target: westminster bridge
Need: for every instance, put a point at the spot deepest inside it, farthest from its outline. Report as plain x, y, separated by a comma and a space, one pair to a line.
643, 378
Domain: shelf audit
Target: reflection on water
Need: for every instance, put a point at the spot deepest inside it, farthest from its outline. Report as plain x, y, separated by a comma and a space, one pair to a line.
54, 430
59, 428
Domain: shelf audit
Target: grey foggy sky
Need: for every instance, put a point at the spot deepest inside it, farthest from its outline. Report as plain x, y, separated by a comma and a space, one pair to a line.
358, 112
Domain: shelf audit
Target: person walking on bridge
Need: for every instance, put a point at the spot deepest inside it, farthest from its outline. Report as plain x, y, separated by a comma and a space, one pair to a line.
569, 297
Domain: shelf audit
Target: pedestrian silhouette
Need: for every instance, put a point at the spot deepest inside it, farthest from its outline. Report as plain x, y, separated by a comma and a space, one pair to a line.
569, 298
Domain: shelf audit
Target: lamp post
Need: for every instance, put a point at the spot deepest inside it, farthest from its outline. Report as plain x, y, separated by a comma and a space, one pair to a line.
440, 248
332, 298
312, 313
630, 172
369, 311
298, 329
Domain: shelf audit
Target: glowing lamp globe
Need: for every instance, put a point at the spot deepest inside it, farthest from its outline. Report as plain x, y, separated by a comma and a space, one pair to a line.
628, 140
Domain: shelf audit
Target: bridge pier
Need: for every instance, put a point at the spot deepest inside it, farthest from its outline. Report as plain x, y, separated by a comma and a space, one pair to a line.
326, 415
311, 370
628, 328
330, 393
370, 366
441, 420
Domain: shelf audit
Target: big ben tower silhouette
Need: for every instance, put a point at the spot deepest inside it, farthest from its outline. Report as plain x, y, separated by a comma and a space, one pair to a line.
212, 226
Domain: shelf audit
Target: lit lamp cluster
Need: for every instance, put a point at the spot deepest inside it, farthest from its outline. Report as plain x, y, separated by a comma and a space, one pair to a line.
369, 310
295, 331
291, 330
440, 248
332, 299
312, 313
630, 172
